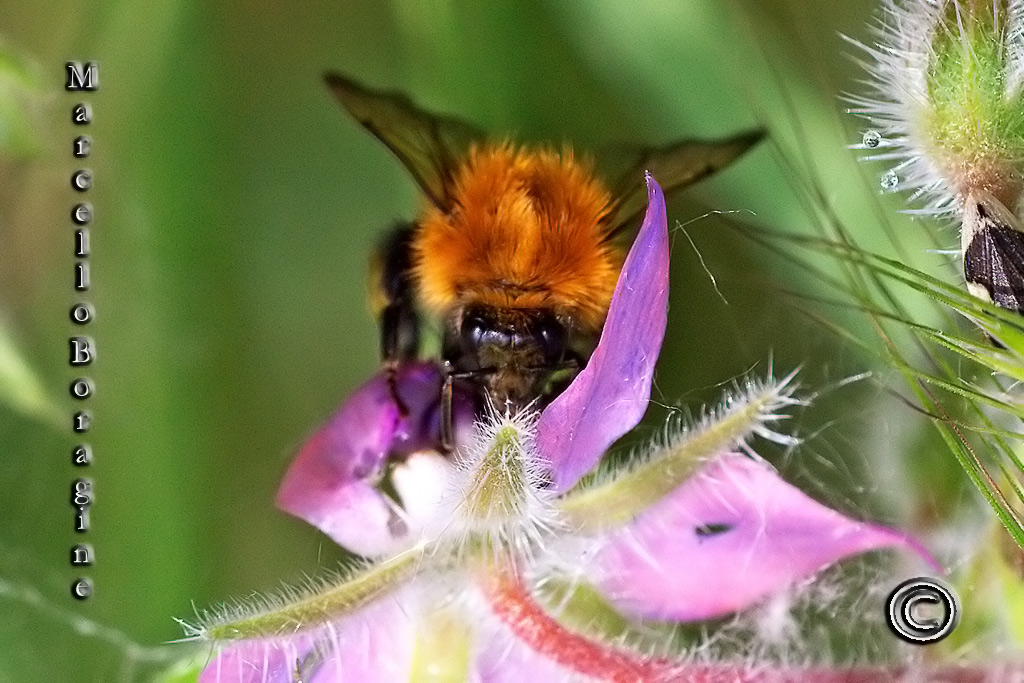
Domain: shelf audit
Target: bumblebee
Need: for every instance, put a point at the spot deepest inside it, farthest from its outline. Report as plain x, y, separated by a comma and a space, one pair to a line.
517, 249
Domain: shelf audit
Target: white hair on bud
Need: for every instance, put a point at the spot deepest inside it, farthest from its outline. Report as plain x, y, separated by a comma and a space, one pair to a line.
768, 399
498, 494
1015, 49
897, 101
943, 96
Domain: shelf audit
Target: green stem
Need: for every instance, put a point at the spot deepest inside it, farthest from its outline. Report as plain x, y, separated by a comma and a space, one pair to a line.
619, 501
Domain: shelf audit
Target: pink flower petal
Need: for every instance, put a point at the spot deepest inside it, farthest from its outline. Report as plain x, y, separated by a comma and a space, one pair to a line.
610, 395
502, 658
729, 536
330, 484
257, 661
374, 645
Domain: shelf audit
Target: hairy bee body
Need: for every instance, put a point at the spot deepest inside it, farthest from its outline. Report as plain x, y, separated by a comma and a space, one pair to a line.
518, 249
520, 268
527, 229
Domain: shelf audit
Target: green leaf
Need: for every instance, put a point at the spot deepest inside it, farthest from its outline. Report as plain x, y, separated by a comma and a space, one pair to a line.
21, 389
21, 106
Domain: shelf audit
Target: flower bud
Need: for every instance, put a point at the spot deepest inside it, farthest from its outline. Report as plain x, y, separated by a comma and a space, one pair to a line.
948, 102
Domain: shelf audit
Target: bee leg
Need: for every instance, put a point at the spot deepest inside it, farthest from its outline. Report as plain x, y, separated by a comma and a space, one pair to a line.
447, 430
392, 376
394, 296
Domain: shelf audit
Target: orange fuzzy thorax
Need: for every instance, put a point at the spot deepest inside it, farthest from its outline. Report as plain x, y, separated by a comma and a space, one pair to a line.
527, 229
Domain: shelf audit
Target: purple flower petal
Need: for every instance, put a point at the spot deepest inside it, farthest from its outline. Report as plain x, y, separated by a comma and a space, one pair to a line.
729, 536
610, 395
330, 484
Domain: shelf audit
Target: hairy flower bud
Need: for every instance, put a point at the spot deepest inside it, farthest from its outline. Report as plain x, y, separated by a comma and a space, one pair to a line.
947, 100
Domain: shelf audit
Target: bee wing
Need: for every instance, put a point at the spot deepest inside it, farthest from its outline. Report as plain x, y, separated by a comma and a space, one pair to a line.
993, 249
428, 145
675, 166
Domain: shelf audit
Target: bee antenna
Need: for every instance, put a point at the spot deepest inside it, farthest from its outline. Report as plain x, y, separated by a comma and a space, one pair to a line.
447, 431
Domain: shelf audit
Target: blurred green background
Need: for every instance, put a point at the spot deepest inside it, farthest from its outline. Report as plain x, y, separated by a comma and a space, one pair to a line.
236, 206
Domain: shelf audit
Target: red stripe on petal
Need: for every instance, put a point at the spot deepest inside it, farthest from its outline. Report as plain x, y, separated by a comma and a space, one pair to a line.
515, 607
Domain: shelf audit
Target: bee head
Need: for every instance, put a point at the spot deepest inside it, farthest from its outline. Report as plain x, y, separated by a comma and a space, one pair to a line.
512, 352
534, 333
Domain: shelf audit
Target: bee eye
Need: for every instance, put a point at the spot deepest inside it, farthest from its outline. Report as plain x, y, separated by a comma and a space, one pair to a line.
475, 328
549, 334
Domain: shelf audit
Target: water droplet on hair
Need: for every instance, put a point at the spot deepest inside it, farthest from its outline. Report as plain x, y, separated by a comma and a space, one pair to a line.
872, 139
890, 180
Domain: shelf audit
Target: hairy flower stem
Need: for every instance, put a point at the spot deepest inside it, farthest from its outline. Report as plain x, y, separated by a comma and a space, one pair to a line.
290, 616
622, 499
314, 610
